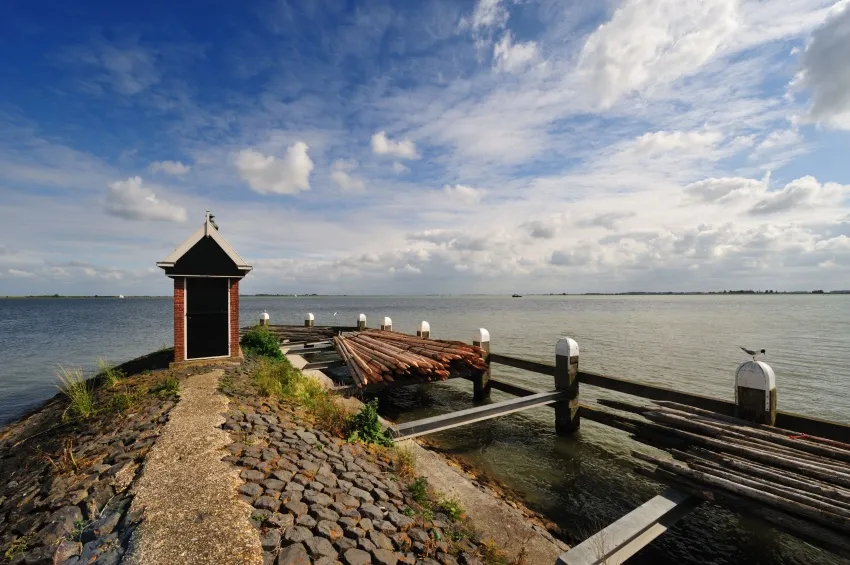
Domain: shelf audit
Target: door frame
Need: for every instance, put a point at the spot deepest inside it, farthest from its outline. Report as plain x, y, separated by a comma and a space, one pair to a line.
186, 321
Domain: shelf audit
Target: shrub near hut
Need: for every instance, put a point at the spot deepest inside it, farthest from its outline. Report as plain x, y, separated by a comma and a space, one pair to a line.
260, 342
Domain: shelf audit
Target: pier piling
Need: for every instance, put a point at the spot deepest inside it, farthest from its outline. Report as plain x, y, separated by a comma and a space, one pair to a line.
424, 330
361, 322
481, 383
309, 321
755, 392
567, 420
388, 324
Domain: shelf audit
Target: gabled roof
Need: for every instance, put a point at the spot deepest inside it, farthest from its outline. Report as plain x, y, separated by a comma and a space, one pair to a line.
206, 230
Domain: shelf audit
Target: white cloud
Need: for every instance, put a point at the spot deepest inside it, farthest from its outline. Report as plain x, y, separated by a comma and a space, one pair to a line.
805, 192
170, 167
130, 200
342, 177
382, 145
661, 142
464, 194
21, 274
724, 189
755, 198
487, 13
513, 57
269, 175
399, 168
825, 72
779, 140
653, 41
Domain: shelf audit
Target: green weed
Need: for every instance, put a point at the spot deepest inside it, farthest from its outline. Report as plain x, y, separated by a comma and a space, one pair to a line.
74, 385
366, 427
452, 508
259, 341
419, 490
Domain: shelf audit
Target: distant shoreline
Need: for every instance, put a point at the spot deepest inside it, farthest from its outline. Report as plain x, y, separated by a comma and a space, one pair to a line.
629, 293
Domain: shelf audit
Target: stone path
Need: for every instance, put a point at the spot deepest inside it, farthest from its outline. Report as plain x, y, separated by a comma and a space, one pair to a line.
187, 494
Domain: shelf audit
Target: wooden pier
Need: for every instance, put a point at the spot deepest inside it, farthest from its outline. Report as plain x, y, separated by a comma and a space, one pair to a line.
755, 402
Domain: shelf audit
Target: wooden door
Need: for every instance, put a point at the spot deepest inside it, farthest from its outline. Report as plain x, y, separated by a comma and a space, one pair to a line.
207, 319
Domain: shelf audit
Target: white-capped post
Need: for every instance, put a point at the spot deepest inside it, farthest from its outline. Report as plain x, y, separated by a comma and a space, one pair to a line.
481, 383
388, 324
424, 330
361, 322
310, 320
264, 319
567, 420
755, 392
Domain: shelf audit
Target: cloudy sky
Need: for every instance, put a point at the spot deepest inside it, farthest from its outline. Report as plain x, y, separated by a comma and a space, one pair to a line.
422, 147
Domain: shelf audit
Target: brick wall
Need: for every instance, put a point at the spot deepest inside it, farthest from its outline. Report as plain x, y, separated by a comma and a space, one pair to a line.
234, 318
179, 319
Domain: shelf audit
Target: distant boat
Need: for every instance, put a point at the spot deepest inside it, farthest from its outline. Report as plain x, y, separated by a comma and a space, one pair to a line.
516, 296
120, 296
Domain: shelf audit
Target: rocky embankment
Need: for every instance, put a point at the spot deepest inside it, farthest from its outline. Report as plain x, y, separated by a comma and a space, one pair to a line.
105, 489
66, 487
317, 498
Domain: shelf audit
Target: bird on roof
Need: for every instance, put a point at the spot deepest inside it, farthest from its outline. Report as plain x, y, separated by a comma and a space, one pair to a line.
753, 352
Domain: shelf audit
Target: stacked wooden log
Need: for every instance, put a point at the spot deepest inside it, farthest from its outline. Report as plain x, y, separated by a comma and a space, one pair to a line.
299, 334
378, 356
799, 482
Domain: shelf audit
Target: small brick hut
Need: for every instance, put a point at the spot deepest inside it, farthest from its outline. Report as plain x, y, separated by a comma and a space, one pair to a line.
206, 272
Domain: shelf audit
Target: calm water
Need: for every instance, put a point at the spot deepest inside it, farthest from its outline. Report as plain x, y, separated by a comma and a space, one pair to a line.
582, 483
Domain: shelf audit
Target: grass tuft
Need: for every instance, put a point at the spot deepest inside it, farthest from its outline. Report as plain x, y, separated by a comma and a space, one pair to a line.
122, 401
168, 386
404, 462
79, 391
111, 374
260, 342
278, 378
17, 547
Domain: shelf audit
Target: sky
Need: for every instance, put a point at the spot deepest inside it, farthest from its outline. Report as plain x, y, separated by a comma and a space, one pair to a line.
489, 146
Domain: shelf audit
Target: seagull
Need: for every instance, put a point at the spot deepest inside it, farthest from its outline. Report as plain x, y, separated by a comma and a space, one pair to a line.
334, 313
753, 352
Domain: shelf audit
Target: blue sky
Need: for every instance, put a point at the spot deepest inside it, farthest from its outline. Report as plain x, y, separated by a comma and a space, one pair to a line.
454, 147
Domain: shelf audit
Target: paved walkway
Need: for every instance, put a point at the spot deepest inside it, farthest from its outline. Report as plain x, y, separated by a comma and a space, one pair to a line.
192, 514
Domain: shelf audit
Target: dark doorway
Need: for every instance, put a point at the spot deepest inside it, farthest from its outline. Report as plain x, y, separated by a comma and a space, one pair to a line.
207, 328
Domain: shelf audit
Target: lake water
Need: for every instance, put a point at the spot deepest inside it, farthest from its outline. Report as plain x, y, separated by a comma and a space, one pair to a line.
582, 483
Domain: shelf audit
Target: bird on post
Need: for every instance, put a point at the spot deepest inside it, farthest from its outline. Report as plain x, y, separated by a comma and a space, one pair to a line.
753, 352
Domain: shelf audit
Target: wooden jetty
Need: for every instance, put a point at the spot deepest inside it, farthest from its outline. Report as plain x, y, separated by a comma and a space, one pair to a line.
790, 470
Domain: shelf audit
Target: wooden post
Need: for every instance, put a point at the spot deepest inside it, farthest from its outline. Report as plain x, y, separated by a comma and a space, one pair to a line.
388, 324
309, 320
566, 378
481, 384
424, 330
755, 392
264, 319
361, 322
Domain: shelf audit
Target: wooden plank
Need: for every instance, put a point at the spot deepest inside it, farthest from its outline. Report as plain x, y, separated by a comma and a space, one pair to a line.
320, 365
654, 392
525, 364
628, 535
477, 414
